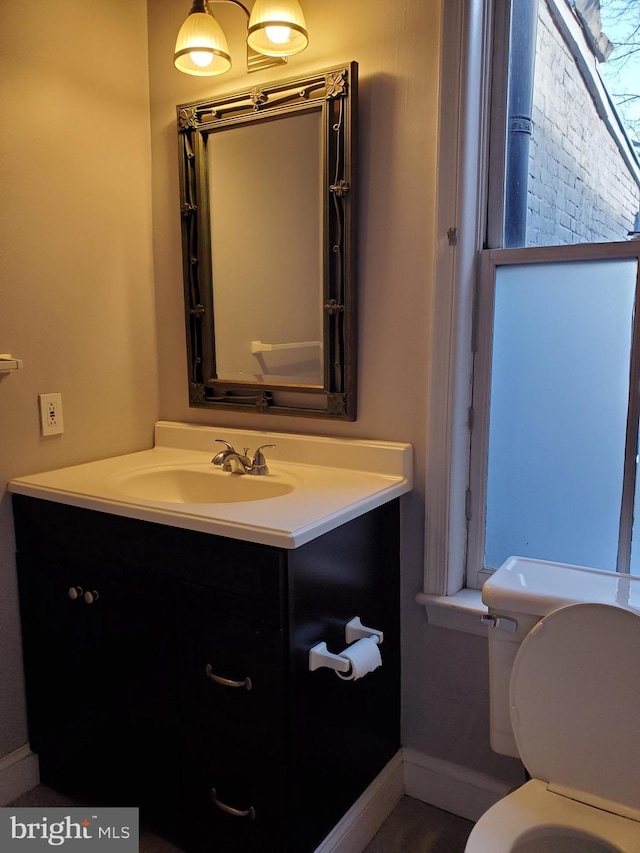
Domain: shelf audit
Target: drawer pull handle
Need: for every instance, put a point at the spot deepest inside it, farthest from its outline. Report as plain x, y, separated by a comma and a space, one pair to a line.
250, 812
90, 597
227, 682
75, 592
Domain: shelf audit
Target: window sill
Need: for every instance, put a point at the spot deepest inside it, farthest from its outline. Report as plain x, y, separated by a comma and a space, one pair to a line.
461, 611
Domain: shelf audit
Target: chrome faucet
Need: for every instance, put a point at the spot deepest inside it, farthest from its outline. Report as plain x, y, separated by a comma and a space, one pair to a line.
219, 458
241, 463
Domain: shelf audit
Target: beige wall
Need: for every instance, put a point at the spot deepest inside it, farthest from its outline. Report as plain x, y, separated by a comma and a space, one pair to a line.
76, 277
397, 47
77, 300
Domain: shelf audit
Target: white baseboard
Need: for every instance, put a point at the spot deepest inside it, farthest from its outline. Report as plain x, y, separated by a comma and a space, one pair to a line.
19, 772
368, 813
448, 786
451, 787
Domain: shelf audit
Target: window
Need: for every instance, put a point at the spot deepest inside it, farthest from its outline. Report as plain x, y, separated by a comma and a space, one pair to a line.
551, 184
555, 438
564, 162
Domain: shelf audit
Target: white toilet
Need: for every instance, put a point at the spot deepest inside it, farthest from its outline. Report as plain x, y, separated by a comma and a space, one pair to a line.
564, 661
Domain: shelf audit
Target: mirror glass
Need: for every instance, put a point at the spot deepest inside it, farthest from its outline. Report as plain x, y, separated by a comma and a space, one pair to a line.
268, 247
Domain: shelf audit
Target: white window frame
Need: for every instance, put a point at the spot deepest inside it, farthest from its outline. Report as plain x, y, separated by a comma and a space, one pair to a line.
474, 43
461, 205
490, 261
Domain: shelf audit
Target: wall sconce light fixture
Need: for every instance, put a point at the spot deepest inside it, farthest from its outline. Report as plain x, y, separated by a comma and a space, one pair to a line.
276, 29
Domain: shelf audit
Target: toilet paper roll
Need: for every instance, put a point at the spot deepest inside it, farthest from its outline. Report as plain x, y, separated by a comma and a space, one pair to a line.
364, 656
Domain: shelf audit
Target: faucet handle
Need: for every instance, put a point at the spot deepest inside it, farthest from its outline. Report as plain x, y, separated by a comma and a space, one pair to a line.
219, 458
259, 463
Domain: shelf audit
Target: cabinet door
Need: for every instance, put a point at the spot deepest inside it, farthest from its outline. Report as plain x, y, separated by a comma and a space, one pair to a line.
100, 663
231, 677
234, 799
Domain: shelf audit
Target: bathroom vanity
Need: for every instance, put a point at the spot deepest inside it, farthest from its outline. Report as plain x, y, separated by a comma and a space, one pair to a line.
167, 664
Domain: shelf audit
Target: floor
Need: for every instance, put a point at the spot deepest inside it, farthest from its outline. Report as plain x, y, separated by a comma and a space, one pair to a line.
415, 827
412, 827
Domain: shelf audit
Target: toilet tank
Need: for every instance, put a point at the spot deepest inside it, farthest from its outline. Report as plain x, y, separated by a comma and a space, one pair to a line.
518, 595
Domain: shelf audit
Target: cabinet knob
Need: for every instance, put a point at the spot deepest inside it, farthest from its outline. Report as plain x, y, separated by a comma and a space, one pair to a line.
227, 682
250, 812
75, 592
90, 597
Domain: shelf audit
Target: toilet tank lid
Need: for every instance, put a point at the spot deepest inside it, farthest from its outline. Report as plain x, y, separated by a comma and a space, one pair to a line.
538, 587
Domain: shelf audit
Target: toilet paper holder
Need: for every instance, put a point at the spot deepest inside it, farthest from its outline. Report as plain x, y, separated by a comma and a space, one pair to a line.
320, 656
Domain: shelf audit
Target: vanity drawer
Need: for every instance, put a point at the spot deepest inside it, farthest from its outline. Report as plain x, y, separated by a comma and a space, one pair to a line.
231, 677
242, 577
234, 799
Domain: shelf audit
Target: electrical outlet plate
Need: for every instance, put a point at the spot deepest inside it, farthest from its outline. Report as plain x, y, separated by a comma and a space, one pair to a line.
51, 422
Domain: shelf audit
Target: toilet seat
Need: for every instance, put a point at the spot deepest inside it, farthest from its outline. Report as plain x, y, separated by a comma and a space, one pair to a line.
577, 673
575, 700
531, 818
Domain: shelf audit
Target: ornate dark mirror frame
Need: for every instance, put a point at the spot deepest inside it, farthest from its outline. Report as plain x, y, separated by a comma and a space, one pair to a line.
334, 92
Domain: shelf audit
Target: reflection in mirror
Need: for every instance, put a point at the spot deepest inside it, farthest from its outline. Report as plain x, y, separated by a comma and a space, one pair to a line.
268, 220
266, 255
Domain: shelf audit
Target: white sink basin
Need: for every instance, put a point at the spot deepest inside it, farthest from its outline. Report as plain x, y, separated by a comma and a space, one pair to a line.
314, 483
201, 483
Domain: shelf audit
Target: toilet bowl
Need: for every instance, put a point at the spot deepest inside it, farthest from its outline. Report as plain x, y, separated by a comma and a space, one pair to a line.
574, 701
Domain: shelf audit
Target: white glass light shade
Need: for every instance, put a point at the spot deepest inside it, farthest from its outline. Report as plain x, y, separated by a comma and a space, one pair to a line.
201, 46
277, 28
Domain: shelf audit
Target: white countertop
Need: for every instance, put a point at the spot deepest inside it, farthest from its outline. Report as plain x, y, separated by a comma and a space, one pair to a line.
334, 480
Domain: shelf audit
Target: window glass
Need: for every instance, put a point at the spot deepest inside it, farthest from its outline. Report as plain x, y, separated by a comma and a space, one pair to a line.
634, 563
621, 70
559, 395
572, 173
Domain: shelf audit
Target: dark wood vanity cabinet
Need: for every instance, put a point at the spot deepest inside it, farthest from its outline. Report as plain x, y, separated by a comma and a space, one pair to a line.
168, 669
